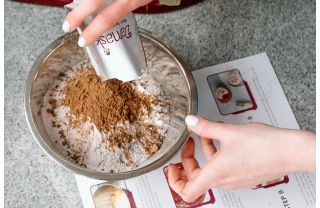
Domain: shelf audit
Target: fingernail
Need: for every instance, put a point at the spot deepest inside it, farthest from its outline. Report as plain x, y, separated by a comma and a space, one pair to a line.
82, 42
66, 26
191, 120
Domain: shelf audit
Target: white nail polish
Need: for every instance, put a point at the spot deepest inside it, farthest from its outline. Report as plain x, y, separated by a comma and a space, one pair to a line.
82, 42
191, 120
66, 27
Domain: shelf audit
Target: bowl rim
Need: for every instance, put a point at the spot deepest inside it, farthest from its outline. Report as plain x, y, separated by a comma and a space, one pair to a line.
62, 160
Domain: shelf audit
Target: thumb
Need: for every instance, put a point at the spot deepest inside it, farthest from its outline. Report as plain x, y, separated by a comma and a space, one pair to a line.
208, 129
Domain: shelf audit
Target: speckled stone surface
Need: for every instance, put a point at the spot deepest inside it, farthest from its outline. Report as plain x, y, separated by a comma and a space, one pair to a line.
211, 32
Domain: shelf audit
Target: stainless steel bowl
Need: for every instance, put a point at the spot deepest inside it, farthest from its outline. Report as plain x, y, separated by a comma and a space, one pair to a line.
64, 53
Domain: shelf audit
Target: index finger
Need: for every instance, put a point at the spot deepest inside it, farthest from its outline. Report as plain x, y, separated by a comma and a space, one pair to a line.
80, 13
209, 129
106, 19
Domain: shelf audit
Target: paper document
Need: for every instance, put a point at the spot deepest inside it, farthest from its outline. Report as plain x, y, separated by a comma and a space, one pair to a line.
240, 91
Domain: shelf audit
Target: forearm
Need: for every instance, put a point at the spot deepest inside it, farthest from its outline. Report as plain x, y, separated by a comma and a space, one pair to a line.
301, 151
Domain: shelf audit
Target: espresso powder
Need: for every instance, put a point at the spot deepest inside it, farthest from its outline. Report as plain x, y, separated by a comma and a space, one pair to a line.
106, 126
105, 103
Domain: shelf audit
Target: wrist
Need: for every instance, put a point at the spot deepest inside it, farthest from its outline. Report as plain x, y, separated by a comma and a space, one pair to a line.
300, 151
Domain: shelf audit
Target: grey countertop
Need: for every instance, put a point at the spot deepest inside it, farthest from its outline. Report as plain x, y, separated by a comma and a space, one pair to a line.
211, 32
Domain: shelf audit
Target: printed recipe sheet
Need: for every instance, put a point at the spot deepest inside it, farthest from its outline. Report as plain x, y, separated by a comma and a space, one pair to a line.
240, 91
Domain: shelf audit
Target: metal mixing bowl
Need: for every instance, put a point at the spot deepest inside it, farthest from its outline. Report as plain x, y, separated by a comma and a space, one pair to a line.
64, 53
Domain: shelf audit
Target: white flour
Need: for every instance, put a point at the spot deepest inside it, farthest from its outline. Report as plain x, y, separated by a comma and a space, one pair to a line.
87, 146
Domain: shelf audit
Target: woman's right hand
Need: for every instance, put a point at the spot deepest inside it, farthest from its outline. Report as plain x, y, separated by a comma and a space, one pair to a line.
250, 154
105, 19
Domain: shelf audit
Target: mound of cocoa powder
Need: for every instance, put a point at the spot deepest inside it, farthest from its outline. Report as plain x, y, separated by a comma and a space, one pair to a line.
105, 103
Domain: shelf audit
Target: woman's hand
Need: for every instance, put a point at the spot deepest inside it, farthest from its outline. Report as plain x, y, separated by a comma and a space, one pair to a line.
250, 154
105, 19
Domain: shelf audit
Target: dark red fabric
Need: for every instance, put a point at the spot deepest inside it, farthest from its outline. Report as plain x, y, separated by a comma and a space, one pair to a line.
152, 8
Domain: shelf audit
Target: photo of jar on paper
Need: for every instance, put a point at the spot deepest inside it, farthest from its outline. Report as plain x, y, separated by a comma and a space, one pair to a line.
204, 199
113, 194
231, 93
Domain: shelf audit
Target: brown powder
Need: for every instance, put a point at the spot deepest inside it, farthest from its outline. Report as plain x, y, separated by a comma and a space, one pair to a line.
119, 138
54, 105
105, 103
147, 135
55, 124
110, 105
152, 139
132, 119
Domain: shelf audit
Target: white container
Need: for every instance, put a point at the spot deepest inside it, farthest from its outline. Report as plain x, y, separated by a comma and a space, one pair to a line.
118, 52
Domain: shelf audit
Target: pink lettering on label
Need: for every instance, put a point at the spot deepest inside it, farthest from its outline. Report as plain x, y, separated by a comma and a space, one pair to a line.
128, 34
109, 38
115, 36
123, 32
101, 40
